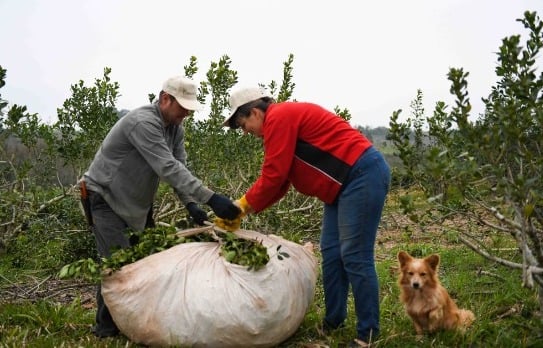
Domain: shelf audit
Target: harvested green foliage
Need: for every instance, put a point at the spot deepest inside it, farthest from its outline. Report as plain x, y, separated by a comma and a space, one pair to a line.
244, 252
86, 269
148, 242
236, 250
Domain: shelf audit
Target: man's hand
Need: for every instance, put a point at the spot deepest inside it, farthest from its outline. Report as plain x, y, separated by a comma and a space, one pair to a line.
223, 207
197, 214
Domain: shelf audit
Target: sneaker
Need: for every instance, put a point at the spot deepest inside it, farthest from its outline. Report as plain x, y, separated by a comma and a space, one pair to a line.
358, 343
325, 329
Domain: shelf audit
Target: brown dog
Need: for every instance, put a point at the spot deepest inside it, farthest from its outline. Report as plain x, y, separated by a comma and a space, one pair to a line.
425, 300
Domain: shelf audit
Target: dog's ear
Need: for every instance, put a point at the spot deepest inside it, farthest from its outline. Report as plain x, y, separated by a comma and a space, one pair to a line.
433, 261
403, 257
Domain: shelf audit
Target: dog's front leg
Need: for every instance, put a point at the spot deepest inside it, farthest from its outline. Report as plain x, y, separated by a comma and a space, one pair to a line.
435, 319
418, 328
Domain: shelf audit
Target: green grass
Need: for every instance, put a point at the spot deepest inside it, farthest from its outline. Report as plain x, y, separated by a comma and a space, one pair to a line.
507, 315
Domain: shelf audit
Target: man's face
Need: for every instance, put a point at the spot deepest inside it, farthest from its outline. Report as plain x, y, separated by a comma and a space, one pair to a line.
172, 112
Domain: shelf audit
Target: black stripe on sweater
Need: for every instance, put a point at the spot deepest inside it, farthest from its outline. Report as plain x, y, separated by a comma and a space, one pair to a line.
322, 161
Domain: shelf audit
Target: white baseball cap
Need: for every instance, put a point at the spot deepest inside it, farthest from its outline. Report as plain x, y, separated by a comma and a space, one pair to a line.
241, 97
183, 90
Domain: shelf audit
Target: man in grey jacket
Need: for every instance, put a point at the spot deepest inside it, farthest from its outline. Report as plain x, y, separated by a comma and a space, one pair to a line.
142, 148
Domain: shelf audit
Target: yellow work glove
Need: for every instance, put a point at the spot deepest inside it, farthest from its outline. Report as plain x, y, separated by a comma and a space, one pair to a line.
233, 225
244, 206
228, 225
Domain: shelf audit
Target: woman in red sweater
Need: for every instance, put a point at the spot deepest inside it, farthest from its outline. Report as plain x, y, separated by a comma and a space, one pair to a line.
321, 155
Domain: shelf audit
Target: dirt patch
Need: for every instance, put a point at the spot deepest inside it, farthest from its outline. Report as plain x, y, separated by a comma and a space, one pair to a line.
55, 290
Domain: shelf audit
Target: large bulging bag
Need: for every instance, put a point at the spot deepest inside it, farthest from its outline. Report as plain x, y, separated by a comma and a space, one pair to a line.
189, 295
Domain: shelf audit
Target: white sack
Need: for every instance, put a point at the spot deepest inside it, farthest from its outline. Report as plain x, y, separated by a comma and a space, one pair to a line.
189, 295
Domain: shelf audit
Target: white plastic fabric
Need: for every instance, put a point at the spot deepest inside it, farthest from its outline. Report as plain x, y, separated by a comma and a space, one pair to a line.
189, 295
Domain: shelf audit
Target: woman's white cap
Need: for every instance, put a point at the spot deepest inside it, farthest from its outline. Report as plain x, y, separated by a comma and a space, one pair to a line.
241, 97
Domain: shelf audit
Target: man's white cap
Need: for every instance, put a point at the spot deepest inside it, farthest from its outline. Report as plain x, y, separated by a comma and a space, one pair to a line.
241, 97
183, 90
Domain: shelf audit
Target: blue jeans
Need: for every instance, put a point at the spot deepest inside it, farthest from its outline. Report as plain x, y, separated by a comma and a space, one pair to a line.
348, 236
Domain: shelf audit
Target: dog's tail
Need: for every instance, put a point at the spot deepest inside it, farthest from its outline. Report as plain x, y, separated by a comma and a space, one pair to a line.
466, 318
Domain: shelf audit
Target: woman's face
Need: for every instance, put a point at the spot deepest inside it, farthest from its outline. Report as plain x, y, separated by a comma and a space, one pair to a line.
252, 124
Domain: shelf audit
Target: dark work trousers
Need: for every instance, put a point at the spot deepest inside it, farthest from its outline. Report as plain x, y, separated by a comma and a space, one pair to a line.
109, 231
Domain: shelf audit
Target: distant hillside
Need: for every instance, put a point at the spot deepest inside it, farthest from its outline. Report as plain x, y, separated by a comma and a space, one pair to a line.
378, 136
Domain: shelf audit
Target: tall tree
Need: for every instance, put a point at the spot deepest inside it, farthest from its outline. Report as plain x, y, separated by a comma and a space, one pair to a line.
487, 172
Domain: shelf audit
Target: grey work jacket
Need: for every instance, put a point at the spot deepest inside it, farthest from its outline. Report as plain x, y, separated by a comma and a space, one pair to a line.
136, 154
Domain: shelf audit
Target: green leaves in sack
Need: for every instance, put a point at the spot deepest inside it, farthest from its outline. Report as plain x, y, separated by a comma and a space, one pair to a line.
244, 252
148, 242
145, 243
86, 269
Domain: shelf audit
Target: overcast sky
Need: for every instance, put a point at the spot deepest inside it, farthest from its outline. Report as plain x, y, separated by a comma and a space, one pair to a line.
367, 56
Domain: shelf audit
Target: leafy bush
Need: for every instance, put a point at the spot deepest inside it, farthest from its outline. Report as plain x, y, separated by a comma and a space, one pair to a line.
486, 171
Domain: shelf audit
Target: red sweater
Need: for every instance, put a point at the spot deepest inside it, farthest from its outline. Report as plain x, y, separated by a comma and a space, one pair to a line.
307, 146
